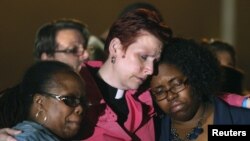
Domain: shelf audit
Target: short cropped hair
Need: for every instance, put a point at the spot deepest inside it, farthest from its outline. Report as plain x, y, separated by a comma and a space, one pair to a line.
128, 27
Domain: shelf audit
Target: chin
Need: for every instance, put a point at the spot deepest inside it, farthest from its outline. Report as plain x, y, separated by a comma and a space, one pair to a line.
70, 133
71, 130
135, 87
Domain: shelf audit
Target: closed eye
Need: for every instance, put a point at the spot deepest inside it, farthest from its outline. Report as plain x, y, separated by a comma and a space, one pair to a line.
73, 50
158, 91
177, 82
144, 57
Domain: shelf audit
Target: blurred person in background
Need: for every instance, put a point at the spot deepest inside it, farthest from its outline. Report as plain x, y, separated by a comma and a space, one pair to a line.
232, 90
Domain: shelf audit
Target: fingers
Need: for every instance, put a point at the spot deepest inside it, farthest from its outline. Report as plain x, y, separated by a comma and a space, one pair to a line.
11, 131
7, 133
5, 137
9, 138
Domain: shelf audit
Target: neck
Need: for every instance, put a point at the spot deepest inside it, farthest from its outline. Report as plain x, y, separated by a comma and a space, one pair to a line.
189, 130
193, 121
108, 75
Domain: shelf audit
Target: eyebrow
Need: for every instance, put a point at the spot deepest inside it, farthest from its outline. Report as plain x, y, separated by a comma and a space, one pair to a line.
71, 44
180, 77
77, 95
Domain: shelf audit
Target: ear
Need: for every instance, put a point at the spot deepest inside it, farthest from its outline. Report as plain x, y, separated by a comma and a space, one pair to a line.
115, 46
45, 56
38, 101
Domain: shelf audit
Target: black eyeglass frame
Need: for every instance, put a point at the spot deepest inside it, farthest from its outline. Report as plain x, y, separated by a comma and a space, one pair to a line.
77, 101
75, 50
164, 93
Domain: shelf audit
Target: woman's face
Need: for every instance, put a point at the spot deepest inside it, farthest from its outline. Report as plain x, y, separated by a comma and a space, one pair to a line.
134, 65
172, 93
62, 119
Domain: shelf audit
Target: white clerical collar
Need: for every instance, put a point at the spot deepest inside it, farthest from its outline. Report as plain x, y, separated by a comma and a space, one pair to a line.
119, 94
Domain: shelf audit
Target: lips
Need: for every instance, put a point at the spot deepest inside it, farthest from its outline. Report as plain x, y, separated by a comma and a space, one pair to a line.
75, 120
176, 106
74, 124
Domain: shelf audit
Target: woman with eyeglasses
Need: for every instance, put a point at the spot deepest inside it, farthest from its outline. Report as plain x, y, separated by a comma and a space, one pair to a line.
52, 97
184, 88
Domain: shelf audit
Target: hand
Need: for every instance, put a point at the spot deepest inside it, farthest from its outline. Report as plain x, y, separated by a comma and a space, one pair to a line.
7, 133
248, 103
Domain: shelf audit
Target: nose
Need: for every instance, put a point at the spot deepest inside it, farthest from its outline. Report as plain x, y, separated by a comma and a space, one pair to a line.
79, 110
84, 55
171, 96
149, 69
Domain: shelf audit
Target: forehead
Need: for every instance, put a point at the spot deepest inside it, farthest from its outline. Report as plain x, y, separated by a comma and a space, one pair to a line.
68, 84
225, 58
166, 72
224, 55
147, 42
66, 36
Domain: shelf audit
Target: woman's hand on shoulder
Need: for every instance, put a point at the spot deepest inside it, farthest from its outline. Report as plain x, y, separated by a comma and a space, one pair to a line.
6, 134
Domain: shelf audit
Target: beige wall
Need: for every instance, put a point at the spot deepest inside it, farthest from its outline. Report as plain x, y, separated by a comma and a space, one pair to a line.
188, 18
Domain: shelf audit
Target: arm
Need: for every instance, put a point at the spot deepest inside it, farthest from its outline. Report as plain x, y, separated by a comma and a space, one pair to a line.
7, 133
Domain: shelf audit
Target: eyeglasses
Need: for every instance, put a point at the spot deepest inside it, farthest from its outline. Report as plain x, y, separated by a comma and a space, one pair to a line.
76, 50
161, 93
70, 101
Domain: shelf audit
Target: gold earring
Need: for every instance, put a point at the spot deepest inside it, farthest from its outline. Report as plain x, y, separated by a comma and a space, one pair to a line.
44, 119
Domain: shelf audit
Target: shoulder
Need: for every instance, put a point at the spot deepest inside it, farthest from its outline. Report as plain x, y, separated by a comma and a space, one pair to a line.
90, 68
162, 127
32, 131
143, 96
226, 111
94, 64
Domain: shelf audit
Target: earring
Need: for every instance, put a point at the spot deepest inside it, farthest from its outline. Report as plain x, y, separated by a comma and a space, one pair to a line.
113, 58
37, 114
44, 119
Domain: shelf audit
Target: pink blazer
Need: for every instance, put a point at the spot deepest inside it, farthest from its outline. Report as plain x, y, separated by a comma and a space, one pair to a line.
139, 124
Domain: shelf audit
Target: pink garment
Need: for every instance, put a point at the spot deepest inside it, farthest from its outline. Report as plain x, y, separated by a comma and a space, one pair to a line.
233, 99
139, 123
